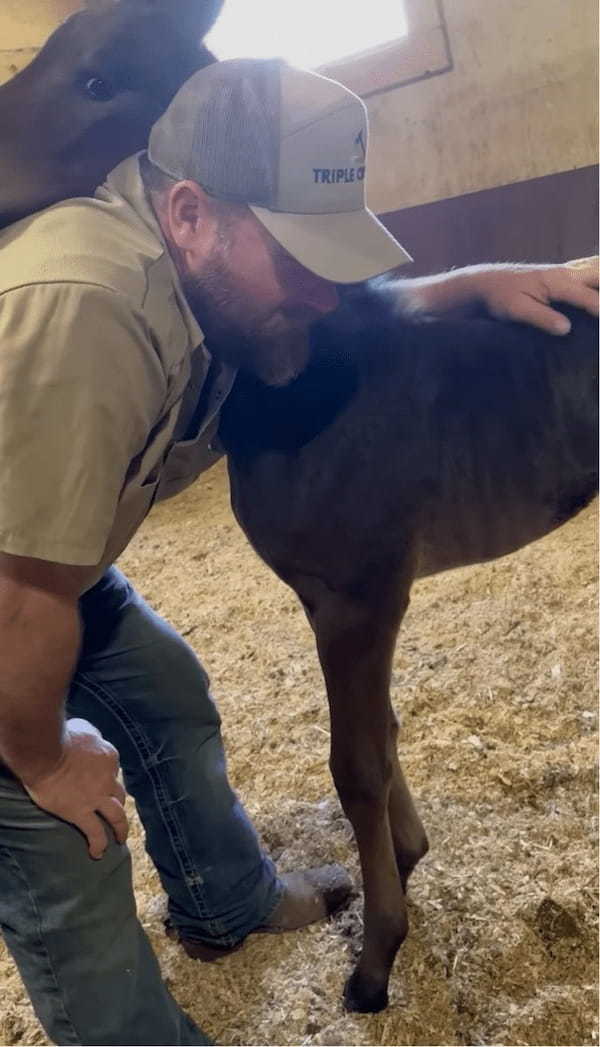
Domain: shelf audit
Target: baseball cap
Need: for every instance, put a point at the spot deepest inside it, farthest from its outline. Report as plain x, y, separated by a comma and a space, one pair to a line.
292, 145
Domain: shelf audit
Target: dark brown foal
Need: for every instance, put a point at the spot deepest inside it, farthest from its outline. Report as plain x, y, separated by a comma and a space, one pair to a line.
404, 449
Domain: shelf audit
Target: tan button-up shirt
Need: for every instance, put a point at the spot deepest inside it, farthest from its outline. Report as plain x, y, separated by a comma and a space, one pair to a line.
101, 366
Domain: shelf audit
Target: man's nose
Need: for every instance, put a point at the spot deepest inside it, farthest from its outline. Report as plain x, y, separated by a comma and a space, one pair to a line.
317, 293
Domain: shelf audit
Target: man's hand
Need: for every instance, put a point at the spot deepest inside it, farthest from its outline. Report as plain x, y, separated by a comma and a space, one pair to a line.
524, 293
84, 785
67, 767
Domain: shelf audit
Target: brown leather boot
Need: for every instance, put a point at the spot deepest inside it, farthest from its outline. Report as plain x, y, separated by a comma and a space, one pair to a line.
308, 895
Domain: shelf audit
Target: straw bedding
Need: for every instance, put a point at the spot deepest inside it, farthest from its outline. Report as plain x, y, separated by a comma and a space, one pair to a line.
494, 681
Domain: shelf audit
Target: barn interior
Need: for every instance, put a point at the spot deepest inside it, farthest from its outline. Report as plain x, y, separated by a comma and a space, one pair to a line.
483, 120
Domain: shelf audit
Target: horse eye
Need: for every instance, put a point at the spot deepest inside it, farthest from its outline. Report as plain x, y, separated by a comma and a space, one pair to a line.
99, 90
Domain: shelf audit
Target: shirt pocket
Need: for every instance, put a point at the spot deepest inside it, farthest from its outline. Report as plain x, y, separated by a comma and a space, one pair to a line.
187, 459
134, 505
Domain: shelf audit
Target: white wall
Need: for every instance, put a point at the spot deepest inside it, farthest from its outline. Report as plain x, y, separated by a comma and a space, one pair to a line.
520, 103
24, 25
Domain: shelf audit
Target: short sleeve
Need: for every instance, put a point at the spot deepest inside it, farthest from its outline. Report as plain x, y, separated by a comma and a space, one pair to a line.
81, 387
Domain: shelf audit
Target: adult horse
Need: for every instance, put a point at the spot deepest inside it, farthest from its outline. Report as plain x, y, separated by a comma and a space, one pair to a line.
90, 96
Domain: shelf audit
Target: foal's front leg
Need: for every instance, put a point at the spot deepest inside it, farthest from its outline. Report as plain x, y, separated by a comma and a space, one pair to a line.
356, 641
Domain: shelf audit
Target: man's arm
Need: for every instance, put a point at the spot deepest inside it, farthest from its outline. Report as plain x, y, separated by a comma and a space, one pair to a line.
65, 765
81, 386
508, 292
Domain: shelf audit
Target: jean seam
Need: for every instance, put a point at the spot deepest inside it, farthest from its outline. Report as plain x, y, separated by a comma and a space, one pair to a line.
170, 821
43, 951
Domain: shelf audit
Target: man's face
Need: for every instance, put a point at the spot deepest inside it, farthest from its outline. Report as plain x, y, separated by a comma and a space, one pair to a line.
254, 302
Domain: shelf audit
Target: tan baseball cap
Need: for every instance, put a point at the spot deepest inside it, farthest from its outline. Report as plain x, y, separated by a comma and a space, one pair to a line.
292, 145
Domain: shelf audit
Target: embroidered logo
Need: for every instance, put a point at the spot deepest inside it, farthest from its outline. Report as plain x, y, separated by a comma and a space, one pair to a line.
360, 142
333, 175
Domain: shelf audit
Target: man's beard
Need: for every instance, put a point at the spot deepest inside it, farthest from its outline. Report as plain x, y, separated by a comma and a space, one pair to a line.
276, 350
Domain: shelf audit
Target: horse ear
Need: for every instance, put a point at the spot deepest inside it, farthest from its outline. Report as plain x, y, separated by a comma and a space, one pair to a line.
195, 16
201, 16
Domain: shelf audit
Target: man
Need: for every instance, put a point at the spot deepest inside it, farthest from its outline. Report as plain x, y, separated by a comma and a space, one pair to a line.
122, 323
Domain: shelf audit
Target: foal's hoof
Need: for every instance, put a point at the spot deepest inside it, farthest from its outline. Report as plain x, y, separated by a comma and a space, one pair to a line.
358, 996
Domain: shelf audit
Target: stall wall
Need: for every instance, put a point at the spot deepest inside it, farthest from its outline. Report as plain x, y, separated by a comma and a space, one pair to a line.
519, 103
24, 26
517, 111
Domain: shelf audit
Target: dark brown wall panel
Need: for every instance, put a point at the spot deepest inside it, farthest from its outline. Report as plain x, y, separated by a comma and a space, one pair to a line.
546, 219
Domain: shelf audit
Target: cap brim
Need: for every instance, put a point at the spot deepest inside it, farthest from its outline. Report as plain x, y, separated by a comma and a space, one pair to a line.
346, 248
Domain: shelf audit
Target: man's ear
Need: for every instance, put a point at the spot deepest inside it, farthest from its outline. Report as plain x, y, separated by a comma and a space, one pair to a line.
187, 215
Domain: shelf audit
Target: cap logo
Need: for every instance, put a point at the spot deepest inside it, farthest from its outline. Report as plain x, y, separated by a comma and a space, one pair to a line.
333, 175
360, 142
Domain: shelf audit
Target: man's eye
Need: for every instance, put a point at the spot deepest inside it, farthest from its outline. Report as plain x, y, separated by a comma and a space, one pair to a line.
99, 90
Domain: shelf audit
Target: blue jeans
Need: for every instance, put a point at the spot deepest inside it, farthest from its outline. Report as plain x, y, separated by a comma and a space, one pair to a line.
70, 922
